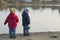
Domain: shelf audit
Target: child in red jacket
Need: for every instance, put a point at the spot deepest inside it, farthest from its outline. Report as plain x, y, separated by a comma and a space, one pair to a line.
12, 20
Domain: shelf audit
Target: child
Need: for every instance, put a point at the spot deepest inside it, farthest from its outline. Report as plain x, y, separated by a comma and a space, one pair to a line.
12, 20
25, 21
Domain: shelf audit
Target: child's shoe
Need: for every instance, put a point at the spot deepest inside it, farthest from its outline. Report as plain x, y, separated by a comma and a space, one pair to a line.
14, 37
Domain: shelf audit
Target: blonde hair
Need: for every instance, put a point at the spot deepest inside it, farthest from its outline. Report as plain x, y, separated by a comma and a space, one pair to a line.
12, 9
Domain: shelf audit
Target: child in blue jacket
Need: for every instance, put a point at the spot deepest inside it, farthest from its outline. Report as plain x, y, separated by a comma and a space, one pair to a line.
25, 21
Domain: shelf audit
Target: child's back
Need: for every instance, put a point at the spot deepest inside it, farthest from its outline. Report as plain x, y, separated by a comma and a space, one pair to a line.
12, 20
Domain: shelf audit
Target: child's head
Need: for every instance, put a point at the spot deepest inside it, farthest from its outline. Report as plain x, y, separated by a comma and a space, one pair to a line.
26, 10
12, 10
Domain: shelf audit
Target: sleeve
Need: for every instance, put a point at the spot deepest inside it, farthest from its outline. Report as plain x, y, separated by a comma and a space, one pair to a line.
6, 21
27, 18
17, 19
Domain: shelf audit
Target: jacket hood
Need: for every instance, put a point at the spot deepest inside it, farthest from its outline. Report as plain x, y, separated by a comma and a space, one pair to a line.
25, 10
12, 15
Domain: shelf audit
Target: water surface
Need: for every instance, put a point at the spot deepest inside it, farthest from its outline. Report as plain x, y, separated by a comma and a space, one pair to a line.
42, 20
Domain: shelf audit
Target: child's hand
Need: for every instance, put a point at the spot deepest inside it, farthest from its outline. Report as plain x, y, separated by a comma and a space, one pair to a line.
4, 23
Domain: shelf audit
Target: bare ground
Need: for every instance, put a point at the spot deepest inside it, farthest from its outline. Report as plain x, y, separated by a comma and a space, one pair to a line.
34, 36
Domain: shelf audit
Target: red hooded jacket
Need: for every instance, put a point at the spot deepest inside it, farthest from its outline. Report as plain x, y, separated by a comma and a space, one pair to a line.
12, 20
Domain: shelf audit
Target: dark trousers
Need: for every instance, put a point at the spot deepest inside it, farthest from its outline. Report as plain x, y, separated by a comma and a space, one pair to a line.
12, 32
25, 30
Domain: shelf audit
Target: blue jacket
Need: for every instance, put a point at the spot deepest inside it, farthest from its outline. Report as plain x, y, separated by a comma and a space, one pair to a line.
25, 19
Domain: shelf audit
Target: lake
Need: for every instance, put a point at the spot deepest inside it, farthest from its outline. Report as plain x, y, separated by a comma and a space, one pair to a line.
42, 20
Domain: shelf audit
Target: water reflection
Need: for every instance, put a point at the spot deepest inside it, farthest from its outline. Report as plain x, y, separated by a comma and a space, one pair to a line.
52, 7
